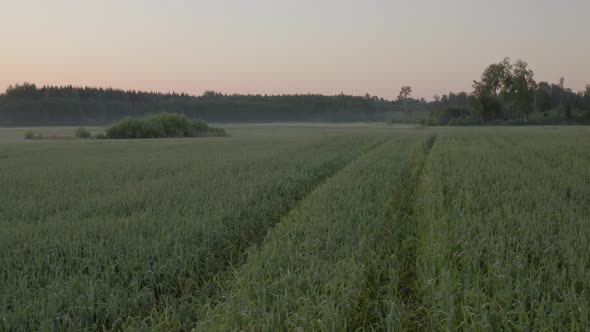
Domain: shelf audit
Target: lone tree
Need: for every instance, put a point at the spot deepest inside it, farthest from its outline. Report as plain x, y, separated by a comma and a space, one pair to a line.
404, 94
511, 83
494, 80
523, 88
561, 88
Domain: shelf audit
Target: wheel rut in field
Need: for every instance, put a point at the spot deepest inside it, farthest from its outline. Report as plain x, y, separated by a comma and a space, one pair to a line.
404, 246
332, 169
408, 286
245, 238
321, 181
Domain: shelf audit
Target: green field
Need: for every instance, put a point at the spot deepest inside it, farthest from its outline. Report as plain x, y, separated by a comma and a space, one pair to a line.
298, 227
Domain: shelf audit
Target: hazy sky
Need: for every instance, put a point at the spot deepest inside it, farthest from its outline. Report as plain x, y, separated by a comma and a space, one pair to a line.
296, 46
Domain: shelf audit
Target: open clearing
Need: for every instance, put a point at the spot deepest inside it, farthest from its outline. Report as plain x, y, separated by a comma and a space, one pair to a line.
312, 227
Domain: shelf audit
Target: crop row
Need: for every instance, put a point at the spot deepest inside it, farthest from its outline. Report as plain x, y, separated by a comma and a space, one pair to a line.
504, 232
336, 262
127, 231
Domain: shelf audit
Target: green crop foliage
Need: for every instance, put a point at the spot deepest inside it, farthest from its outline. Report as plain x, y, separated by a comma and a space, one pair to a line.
307, 227
336, 262
504, 228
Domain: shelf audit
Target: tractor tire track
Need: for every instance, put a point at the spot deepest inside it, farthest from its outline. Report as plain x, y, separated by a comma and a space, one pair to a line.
373, 308
247, 238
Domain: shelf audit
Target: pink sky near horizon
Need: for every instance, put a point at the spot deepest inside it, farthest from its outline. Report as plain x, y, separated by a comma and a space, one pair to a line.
274, 47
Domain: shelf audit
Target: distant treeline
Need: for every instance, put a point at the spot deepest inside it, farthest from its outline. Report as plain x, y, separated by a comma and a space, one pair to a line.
29, 105
506, 94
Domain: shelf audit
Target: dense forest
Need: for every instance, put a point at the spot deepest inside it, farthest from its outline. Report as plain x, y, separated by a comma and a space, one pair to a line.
28, 105
506, 94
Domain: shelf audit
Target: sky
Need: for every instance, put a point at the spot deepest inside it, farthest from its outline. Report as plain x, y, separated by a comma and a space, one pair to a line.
296, 46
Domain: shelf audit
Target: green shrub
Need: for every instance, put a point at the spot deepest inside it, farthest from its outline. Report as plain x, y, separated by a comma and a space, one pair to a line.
447, 115
33, 135
167, 125
162, 125
82, 133
126, 128
100, 136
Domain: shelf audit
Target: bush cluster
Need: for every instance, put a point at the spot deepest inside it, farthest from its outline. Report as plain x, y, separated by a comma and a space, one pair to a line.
33, 135
82, 133
161, 125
